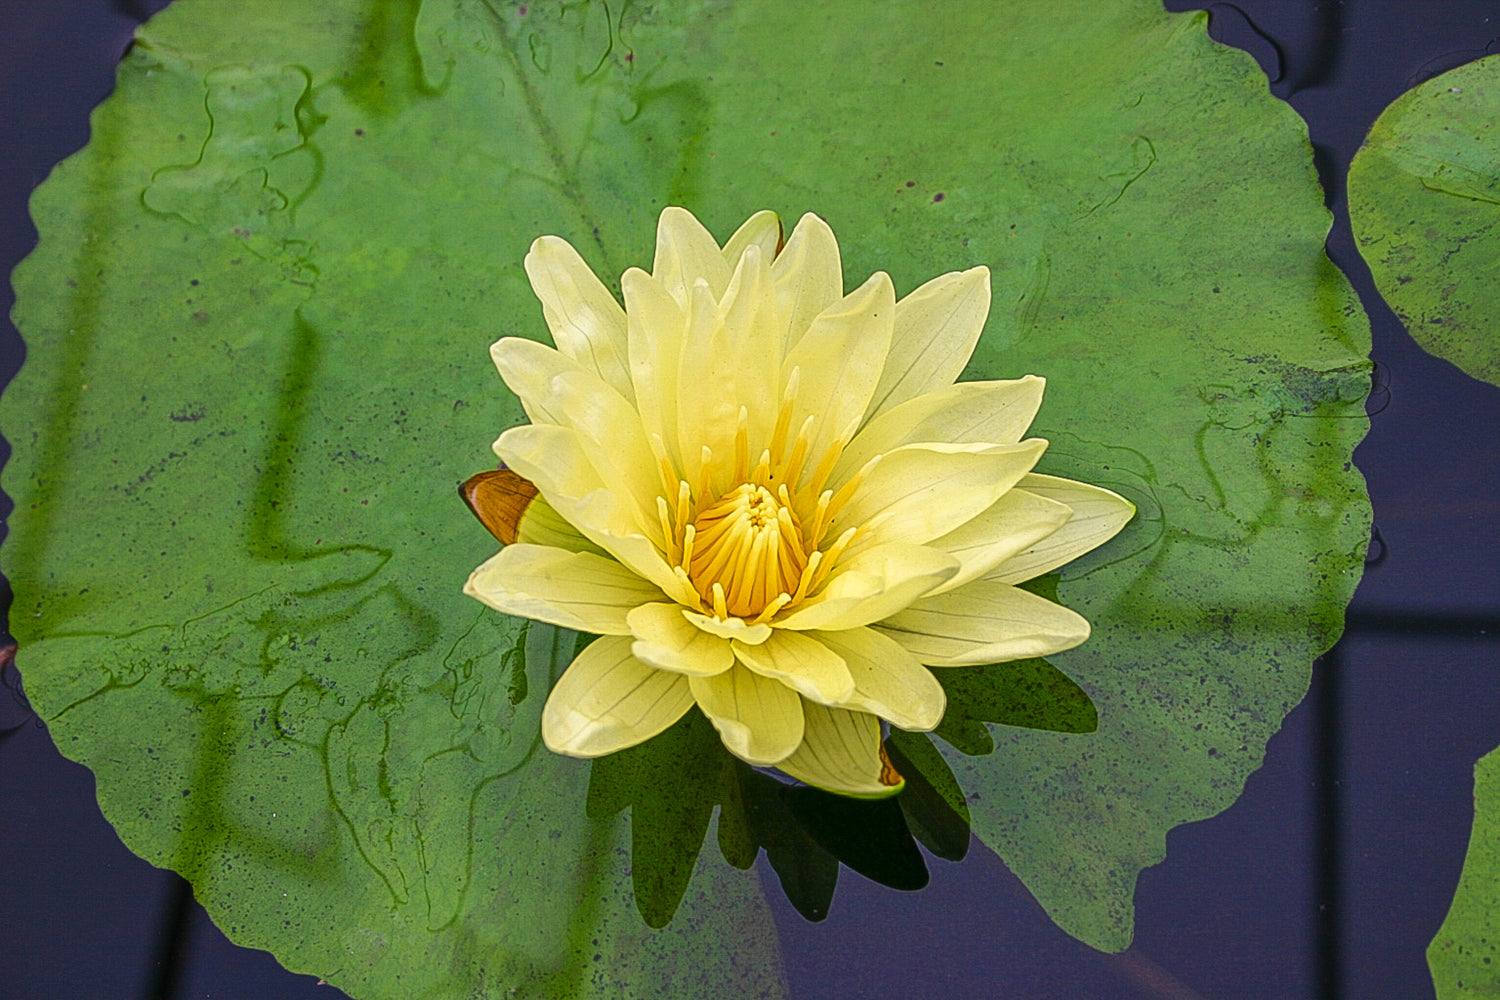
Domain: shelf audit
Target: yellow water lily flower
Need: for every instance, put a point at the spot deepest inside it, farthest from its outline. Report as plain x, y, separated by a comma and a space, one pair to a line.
770, 499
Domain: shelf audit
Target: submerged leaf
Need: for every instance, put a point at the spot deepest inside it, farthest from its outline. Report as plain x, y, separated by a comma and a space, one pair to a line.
932, 801
808, 872
1424, 201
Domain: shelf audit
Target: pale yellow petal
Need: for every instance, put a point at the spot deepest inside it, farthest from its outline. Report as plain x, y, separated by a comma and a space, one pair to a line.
872, 585
577, 590
920, 492
984, 622
888, 681
587, 323
808, 275
528, 369
935, 331
730, 361
555, 391
802, 663
555, 459
730, 628
1011, 525
966, 413
632, 549
541, 524
656, 327
759, 720
668, 641
608, 700
839, 362
1098, 515
840, 753
610, 434
686, 252
558, 462
763, 229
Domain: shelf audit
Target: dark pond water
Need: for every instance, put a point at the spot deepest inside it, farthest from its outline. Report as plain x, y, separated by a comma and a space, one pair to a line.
1327, 879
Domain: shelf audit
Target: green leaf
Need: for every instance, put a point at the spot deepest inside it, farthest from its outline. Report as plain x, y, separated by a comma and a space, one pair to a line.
808, 873
671, 784
932, 800
1424, 200
1031, 694
257, 325
1465, 955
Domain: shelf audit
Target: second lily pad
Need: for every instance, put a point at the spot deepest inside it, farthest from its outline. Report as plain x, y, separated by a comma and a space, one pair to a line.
1424, 200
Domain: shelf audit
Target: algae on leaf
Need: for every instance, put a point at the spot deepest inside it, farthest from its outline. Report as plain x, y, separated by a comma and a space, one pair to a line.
1424, 200
257, 328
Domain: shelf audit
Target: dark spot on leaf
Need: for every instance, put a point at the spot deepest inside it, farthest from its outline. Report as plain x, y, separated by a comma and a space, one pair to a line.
911, 184
938, 197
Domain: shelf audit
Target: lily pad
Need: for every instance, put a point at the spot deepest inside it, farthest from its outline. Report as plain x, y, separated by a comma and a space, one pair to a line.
257, 326
1424, 200
1465, 954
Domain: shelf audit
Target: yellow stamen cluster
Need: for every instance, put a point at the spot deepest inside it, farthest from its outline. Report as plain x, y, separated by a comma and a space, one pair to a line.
756, 548
753, 542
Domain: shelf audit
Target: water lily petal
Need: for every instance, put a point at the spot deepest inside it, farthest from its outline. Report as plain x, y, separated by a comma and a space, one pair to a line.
936, 329
576, 590
1012, 524
685, 252
1098, 515
731, 358
610, 435
996, 412
608, 700
609, 431
802, 663
656, 325
872, 585
763, 229
759, 720
587, 323
839, 361
528, 369
984, 622
634, 550
888, 680
668, 641
808, 275
556, 461
541, 524
923, 491
730, 628
841, 754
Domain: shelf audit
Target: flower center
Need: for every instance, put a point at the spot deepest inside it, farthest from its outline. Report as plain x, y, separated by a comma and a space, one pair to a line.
760, 548
749, 543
